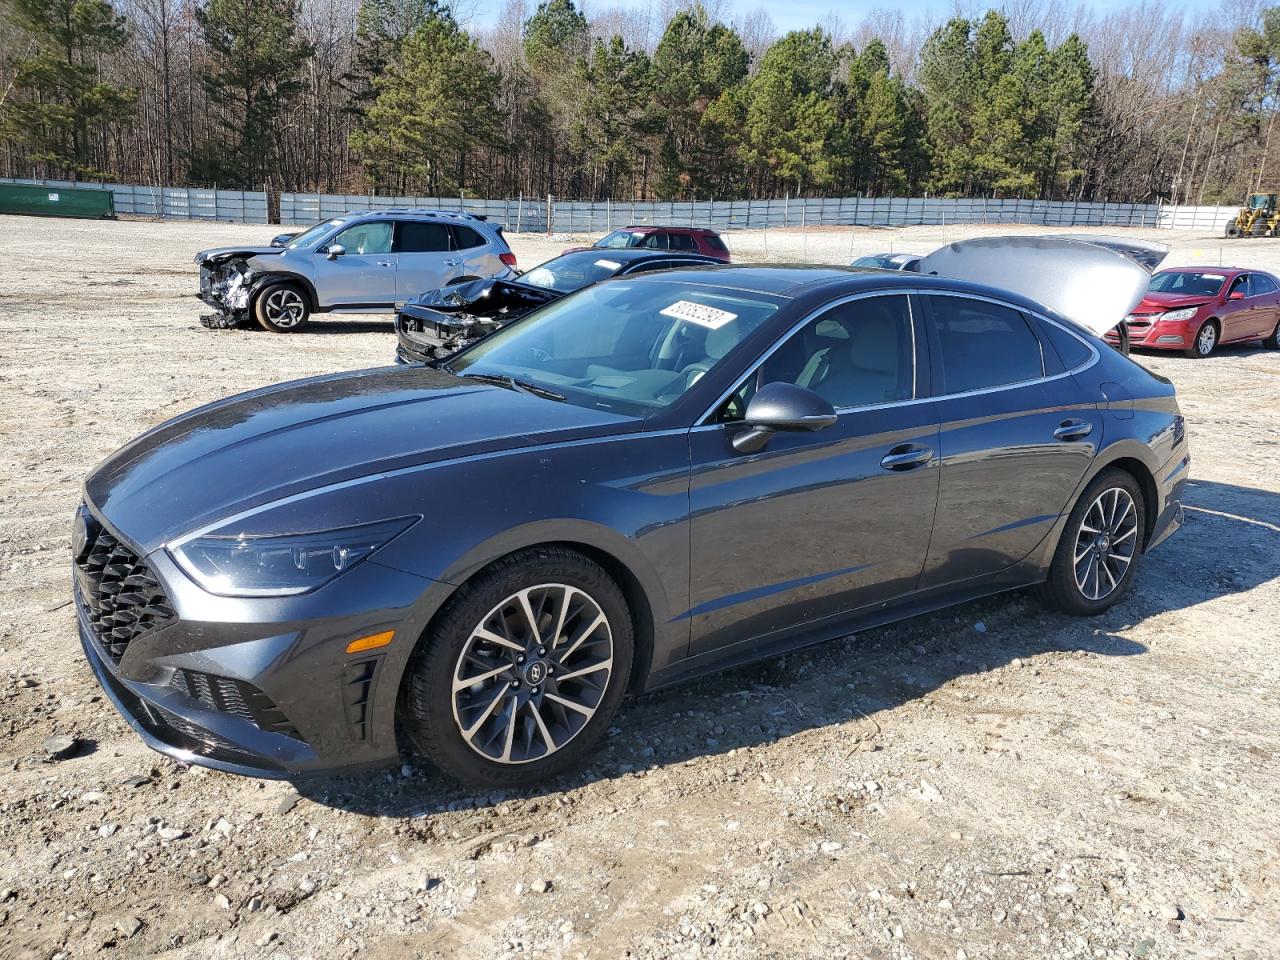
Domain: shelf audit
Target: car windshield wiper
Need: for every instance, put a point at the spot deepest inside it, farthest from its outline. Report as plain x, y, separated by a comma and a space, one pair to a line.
511, 383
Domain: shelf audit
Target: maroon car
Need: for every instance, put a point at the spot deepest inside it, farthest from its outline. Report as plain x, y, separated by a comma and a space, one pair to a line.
686, 239
1193, 309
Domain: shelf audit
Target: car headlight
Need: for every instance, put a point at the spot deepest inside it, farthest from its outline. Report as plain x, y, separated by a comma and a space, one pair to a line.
1184, 314
272, 566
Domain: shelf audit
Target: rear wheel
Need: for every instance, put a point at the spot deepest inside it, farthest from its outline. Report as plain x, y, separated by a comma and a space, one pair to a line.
1100, 548
1204, 341
1233, 229
519, 677
282, 308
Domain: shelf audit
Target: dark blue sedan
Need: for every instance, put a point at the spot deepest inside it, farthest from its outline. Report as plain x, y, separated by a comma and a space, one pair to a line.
649, 479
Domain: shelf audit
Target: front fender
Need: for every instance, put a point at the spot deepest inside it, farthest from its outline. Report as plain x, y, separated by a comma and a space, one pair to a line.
265, 279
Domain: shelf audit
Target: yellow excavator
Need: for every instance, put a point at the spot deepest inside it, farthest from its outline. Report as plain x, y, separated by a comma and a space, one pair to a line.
1259, 218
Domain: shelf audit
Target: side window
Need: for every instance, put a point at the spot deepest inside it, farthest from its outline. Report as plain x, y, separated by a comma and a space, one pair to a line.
715, 243
649, 266
465, 238
1260, 283
1070, 349
366, 238
417, 237
681, 241
983, 344
857, 354
655, 241
1240, 285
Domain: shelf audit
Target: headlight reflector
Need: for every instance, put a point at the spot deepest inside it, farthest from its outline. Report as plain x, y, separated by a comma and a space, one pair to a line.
1184, 314
271, 566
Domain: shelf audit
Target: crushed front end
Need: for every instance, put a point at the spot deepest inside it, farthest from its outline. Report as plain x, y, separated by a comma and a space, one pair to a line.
228, 277
441, 322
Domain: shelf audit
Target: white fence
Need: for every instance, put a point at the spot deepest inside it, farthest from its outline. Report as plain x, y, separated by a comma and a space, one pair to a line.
551, 215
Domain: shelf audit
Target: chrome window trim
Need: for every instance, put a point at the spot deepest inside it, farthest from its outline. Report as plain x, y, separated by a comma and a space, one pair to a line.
1094, 356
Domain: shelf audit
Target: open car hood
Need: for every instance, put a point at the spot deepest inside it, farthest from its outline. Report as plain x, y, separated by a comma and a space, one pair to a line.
1092, 281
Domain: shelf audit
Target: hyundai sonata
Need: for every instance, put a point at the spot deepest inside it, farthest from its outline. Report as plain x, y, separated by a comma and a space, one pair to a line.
652, 478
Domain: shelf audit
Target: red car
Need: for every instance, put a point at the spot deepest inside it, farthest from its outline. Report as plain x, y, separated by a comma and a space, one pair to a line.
1193, 309
687, 239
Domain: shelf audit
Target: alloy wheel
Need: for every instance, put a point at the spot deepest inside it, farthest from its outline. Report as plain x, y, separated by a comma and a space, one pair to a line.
532, 673
1105, 543
284, 308
1206, 339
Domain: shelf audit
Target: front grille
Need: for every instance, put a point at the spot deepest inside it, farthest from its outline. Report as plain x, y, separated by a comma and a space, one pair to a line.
117, 591
236, 697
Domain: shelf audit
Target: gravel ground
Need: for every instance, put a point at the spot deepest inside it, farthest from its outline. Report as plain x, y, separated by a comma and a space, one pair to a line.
992, 782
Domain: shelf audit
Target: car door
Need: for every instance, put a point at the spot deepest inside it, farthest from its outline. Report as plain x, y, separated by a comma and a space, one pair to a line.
1016, 436
365, 274
1236, 310
817, 524
426, 257
475, 256
1264, 297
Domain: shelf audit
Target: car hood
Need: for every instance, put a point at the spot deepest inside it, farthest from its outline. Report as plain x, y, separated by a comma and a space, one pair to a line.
218, 254
1171, 301
485, 298
288, 439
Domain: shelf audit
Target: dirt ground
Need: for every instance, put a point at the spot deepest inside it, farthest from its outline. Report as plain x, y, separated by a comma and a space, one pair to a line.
991, 782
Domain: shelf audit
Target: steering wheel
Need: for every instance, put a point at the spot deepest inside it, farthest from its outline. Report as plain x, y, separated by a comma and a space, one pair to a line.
539, 356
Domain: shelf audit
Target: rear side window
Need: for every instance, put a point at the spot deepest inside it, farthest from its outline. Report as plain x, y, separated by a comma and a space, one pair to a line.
983, 344
681, 241
465, 238
714, 242
1260, 283
423, 237
1071, 350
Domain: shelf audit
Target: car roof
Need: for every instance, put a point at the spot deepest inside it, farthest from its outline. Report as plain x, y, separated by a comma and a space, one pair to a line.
795, 280
414, 212
637, 254
661, 228
1223, 270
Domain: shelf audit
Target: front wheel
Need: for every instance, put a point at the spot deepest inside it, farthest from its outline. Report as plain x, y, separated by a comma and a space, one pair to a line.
1205, 340
1100, 548
518, 679
1273, 342
282, 308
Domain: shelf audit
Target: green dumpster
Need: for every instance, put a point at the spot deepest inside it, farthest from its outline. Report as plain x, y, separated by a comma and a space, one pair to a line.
56, 201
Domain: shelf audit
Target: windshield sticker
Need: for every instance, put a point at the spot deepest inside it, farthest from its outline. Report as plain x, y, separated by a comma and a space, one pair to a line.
1214, 276
699, 313
608, 264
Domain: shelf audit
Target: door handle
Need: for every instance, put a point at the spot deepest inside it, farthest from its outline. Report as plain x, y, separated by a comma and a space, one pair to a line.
452, 263
906, 456
384, 263
1073, 430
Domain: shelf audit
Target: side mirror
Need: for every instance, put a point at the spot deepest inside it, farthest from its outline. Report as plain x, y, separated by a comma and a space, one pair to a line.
335, 250
1236, 295
781, 406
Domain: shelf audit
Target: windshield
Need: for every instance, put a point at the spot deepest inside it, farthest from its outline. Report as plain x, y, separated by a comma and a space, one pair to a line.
1187, 282
312, 234
630, 346
622, 238
572, 271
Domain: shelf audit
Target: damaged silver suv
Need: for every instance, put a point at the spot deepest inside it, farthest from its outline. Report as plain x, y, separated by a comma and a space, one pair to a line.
362, 262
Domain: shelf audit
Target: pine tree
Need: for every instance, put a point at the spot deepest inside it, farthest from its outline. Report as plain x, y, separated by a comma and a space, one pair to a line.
949, 82
59, 103
697, 65
257, 59
612, 129
432, 109
382, 26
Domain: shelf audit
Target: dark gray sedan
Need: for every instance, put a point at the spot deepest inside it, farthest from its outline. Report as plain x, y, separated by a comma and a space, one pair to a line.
649, 479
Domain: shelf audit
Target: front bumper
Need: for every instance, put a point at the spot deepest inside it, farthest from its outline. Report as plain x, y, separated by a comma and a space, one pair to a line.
1151, 333
263, 687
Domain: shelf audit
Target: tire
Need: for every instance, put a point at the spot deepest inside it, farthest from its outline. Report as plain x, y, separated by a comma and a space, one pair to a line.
1273, 342
1259, 229
468, 733
1123, 545
282, 308
1233, 229
1204, 341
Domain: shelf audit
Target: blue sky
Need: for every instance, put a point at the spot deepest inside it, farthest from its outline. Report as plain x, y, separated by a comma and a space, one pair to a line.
799, 14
